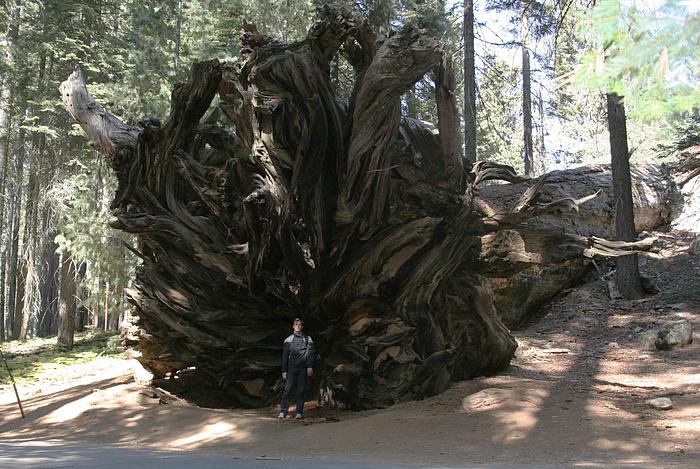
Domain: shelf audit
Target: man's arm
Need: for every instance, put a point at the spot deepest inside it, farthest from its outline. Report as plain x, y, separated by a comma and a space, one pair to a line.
310, 353
285, 358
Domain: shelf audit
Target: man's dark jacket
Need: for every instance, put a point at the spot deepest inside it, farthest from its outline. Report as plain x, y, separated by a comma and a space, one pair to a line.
298, 352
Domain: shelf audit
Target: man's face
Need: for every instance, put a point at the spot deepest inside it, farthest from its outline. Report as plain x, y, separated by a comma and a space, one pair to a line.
298, 326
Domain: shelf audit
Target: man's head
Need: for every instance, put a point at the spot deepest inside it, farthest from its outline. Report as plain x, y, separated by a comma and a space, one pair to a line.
298, 324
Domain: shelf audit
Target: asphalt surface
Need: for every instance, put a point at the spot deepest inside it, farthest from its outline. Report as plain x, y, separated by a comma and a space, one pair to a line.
45, 456
53, 456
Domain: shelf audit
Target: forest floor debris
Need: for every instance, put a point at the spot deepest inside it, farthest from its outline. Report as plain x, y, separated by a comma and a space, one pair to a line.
570, 398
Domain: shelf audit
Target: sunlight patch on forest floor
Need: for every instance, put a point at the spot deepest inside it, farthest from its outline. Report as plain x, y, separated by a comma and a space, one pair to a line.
42, 361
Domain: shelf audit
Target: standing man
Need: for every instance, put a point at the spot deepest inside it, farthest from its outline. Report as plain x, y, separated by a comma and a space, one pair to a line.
297, 364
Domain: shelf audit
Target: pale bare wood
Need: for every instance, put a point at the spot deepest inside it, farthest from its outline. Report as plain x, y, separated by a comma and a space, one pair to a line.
106, 132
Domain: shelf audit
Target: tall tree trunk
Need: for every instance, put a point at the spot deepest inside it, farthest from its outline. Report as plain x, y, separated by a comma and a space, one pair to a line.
6, 107
5, 126
14, 274
448, 123
627, 276
106, 307
115, 317
18, 97
19, 319
67, 301
128, 317
49, 260
3, 263
285, 32
29, 264
7, 104
469, 83
81, 314
543, 149
48, 321
528, 161
33, 222
4, 141
177, 38
97, 299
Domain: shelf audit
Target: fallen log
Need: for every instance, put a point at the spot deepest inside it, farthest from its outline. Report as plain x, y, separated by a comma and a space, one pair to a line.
657, 201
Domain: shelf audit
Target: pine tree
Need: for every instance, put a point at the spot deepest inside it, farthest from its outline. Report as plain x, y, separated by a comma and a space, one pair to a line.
626, 42
528, 158
627, 276
469, 78
67, 301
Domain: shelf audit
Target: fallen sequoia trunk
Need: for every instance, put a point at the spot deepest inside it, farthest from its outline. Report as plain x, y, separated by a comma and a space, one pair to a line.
687, 177
656, 202
365, 224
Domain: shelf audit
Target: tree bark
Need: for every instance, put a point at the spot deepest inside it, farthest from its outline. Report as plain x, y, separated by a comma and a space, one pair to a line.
30, 275
81, 313
469, 83
177, 37
528, 160
48, 320
627, 276
3, 264
448, 124
115, 317
106, 308
14, 274
5, 125
19, 319
6, 104
67, 301
345, 216
543, 149
96, 307
7, 110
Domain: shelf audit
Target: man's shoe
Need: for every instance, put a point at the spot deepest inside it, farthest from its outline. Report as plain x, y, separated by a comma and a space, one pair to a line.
281, 415
298, 416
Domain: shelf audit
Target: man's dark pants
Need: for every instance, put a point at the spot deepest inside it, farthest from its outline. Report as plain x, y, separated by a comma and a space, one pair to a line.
294, 377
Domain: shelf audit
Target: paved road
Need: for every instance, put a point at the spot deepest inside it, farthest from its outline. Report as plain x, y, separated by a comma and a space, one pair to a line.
54, 456
45, 456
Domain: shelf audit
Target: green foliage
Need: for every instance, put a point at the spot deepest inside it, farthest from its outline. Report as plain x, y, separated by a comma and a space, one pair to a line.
499, 123
648, 55
430, 15
684, 133
587, 138
584, 73
287, 20
82, 199
381, 14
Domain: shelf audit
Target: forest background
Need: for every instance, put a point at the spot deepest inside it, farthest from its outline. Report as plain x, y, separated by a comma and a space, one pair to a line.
540, 68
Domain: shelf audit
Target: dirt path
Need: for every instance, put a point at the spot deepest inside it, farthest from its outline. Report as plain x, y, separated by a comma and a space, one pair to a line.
575, 395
